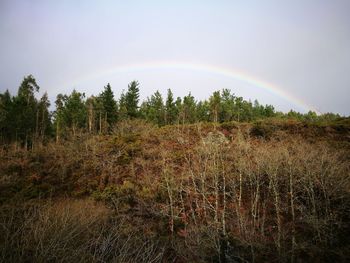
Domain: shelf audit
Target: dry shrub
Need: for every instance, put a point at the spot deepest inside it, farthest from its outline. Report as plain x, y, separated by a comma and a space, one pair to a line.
71, 231
134, 126
205, 195
258, 200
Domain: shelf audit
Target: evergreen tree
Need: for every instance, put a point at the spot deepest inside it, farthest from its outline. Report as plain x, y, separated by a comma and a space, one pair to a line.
238, 108
171, 111
109, 106
258, 110
214, 104
246, 111
178, 105
59, 120
144, 110
311, 116
203, 111
70, 113
294, 115
189, 109
27, 89
6, 118
75, 111
156, 111
25, 111
123, 111
269, 111
329, 117
132, 99
43, 117
227, 105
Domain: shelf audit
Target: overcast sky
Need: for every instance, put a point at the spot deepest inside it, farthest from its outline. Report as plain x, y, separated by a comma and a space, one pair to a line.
302, 47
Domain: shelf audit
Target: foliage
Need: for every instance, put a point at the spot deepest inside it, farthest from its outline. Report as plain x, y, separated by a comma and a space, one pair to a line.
23, 118
205, 192
132, 99
26, 120
109, 105
218, 180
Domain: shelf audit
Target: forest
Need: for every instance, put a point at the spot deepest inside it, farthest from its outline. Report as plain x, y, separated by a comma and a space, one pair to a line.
27, 120
106, 179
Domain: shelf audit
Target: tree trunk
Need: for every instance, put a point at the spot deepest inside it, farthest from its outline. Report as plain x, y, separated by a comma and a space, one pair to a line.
57, 132
100, 122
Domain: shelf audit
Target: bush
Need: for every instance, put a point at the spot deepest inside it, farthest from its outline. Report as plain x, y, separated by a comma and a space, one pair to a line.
71, 231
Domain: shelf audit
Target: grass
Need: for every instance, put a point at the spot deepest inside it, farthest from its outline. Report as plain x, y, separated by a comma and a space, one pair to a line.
71, 231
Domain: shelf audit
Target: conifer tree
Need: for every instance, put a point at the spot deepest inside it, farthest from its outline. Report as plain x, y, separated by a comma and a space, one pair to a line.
70, 114
75, 111
238, 108
109, 106
227, 105
132, 99
156, 111
189, 109
59, 120
25, 111
43, 117
269, 111
178, 105
215, 103
203, 111
123, 111
6, 118
171, 111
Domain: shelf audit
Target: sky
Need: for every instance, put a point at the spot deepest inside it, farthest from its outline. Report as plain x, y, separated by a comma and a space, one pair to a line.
291, 54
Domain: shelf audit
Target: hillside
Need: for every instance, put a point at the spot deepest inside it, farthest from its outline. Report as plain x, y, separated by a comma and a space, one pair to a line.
266, 191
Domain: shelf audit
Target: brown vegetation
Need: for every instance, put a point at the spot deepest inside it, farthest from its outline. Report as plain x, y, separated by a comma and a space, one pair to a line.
264, 192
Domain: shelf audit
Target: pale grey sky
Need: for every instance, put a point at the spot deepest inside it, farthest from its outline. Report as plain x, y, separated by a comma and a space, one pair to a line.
299, 46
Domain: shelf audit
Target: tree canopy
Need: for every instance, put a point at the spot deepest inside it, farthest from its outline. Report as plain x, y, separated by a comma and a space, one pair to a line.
26, 119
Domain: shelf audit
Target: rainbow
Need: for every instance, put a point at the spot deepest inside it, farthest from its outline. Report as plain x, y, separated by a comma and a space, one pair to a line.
210, 69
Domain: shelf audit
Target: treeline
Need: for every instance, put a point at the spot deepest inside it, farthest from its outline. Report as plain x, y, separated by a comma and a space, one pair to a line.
26, 120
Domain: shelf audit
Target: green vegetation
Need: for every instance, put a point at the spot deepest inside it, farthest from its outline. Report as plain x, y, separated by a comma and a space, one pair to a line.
28, 122
174, 180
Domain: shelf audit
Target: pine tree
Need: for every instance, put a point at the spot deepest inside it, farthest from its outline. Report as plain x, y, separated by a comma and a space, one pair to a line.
227, 105
25, 111
123, 111
156, 109
178, 105
27, 89
189, 109
238, 108
43, 118
59, 120
269, 111
171, 111
70, 113
246, 113
109, 106
214, 103
6, 118
132, 99
203, 111
144, 111
75, 111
